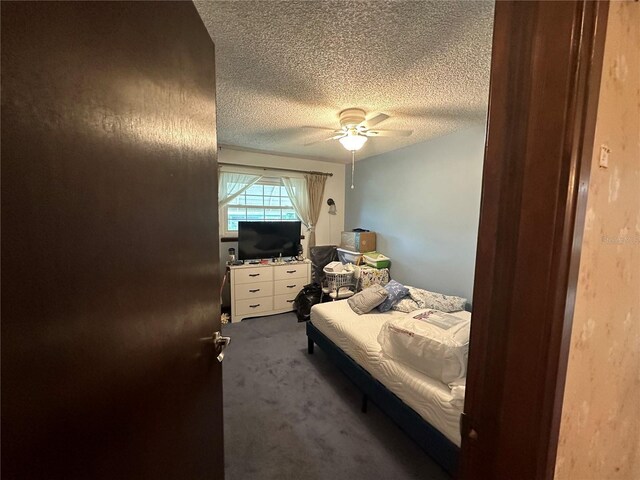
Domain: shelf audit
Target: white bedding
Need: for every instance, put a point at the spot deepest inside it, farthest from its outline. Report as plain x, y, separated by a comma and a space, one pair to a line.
429, 341
357, 336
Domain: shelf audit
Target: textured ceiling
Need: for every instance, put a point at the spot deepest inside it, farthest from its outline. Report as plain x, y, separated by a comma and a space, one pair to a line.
283, 65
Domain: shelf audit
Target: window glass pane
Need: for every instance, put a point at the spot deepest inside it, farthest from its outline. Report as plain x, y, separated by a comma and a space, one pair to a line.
270, 190
255, 189
254, 200
232, 225
236, 212
255, 214
289, 214
234, 215
273, 214
286, 202
272, 201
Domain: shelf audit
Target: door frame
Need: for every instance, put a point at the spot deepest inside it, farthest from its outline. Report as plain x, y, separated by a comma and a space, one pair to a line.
545, 79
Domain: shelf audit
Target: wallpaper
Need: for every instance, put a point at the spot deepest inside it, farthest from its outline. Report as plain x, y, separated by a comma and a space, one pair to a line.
600, 427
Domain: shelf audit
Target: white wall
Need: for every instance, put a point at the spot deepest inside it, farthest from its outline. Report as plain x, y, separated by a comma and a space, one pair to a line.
423, 201
329, 226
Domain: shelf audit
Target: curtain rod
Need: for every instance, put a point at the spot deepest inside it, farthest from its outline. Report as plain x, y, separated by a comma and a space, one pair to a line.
326, 174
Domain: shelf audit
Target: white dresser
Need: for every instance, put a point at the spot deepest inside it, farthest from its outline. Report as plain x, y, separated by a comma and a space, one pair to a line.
258, 290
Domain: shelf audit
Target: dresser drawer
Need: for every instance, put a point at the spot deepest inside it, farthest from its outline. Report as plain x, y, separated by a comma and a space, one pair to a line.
253, 305
252, 275
289, 286
253, 290
282, 272
284, 302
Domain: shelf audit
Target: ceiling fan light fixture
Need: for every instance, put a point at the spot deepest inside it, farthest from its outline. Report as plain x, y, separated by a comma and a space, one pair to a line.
353, 142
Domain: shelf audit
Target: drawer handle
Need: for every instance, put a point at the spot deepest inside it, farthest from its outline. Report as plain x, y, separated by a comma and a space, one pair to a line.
290, 301
254, 306
254, 274
291, 271
291, 286
255, 290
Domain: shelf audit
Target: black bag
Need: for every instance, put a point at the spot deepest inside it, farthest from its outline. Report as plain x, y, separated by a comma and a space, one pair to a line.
307, 298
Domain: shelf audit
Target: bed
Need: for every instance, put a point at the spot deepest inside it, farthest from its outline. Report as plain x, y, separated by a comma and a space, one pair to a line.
420, 405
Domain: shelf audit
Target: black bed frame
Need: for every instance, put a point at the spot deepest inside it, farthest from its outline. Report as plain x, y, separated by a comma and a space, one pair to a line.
431, 440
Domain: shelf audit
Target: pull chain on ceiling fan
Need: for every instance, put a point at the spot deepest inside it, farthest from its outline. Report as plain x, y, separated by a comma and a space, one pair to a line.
353, 166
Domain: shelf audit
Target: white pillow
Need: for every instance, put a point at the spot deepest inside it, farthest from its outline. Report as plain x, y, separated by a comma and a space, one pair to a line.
429, 341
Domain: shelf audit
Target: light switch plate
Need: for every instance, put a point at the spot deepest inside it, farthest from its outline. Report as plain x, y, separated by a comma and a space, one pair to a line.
604, 156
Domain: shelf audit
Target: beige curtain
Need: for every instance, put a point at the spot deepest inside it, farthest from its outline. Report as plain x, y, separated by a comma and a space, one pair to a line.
315, 190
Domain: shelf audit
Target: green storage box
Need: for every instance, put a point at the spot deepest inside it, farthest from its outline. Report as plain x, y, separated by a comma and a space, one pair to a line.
376, 259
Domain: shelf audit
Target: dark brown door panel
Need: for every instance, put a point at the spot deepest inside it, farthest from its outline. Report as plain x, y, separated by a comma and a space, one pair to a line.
109, 242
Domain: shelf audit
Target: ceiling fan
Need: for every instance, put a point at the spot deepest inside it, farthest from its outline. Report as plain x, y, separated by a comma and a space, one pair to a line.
356, 129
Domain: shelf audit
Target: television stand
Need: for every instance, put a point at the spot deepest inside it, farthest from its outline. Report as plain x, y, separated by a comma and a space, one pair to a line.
266, 289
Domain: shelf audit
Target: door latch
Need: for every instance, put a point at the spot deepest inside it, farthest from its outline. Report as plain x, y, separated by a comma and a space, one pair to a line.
219, 342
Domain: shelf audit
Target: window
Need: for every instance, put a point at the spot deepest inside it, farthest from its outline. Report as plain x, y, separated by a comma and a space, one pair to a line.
267, 200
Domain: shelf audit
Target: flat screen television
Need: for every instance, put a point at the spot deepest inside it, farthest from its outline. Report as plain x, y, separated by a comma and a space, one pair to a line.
268, 239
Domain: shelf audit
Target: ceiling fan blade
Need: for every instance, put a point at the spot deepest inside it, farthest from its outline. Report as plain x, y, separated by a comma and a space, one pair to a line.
373, 121
388, 133
311, 127
332, 137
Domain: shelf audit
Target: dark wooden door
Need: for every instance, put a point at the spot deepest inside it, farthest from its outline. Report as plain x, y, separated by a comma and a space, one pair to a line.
109, 242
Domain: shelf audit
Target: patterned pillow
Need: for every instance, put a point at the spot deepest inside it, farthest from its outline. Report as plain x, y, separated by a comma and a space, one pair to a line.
437, 301
406, 305
396, 292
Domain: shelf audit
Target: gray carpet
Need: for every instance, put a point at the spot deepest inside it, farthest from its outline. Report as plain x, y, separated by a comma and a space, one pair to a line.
290, 415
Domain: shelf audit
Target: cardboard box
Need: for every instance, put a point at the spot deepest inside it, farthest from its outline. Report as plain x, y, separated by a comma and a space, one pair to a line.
358, 241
